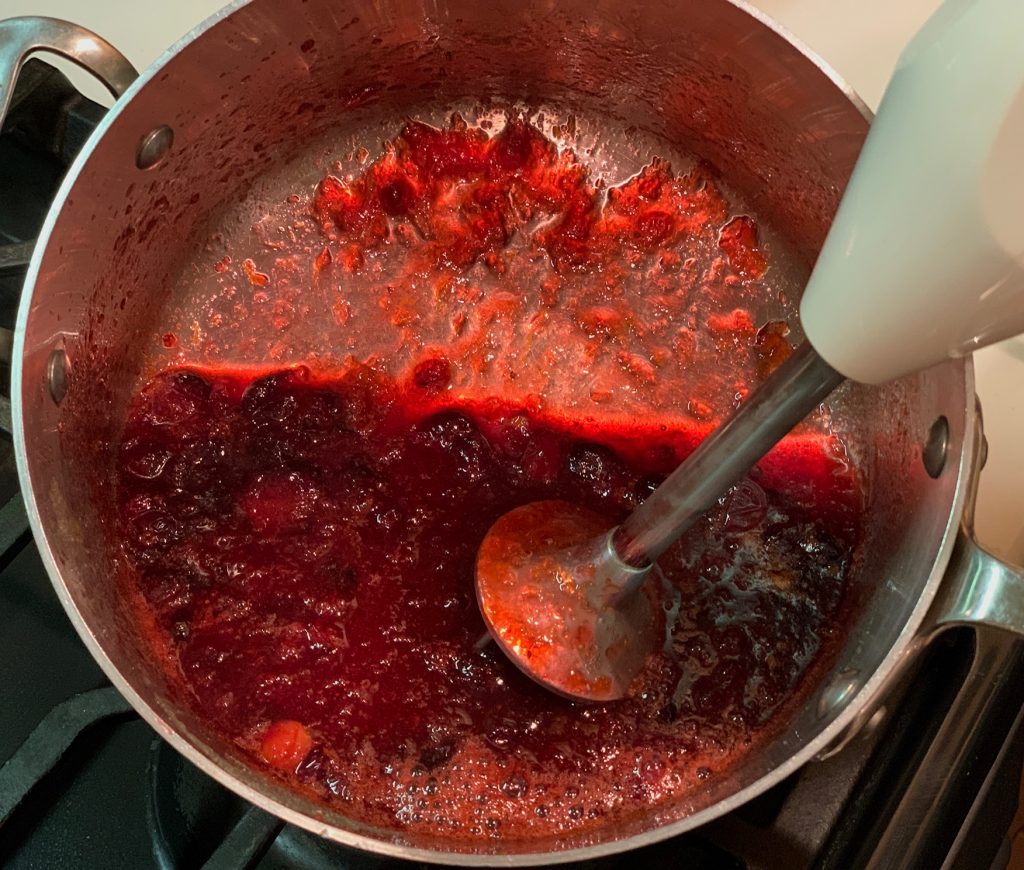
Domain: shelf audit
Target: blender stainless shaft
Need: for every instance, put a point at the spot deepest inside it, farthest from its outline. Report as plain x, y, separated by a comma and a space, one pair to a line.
789, 394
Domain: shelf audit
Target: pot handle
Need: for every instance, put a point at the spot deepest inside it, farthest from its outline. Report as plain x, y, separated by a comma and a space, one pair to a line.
983, 593
978, 591
21, 37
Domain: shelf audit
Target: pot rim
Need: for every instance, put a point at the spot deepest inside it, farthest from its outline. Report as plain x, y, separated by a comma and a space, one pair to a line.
901, 648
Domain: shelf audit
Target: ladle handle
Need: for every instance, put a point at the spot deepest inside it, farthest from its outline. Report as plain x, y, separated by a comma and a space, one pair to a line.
789, 394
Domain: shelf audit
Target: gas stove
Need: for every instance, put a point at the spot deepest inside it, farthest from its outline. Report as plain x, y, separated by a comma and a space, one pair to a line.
85, 783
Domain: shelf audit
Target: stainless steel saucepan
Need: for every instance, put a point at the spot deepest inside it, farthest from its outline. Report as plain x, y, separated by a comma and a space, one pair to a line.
222, 117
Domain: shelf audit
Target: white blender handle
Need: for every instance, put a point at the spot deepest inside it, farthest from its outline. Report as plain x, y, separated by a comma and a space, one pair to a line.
925, 259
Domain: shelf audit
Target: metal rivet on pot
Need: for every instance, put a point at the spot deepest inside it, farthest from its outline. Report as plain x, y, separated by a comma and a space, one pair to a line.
154, 147
877, 718
936, 447
57, 374
840, 689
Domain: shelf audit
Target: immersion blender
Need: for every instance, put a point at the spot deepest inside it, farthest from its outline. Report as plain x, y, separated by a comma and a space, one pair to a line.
924, 261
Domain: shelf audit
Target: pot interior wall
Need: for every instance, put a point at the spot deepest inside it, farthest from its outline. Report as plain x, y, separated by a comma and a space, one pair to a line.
262, 83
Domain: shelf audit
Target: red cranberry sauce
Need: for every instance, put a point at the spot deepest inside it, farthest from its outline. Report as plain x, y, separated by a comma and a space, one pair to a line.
507, 252
305, 545
467, 194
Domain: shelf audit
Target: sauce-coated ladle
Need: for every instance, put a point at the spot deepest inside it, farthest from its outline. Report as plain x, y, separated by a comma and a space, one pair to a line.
924, 261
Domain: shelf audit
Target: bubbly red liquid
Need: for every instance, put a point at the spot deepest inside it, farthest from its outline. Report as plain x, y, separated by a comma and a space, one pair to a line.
304, 542
307, 547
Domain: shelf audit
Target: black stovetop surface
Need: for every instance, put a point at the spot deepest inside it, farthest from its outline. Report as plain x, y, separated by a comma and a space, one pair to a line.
86, 783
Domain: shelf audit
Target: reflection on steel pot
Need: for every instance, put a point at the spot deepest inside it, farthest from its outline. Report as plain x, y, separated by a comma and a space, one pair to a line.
259, 83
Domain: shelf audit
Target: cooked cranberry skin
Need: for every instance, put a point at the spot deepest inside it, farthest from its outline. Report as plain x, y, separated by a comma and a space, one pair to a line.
432, 374
396, 197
